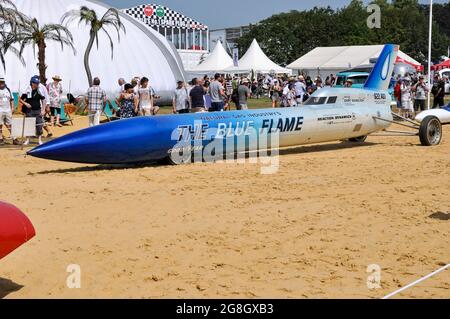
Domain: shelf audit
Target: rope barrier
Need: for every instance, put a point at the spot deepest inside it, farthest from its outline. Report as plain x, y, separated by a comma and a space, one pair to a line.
417, 282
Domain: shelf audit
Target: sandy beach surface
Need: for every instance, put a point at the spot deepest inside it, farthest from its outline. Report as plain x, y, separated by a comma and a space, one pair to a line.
225, 230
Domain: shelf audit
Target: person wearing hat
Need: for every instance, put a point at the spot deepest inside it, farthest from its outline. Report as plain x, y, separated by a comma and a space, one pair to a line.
54, 91
348, 83
34, 106
406, 98
244, 93
300, 90
6, 109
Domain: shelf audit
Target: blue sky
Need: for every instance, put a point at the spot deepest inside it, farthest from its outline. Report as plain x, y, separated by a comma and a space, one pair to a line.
228, 13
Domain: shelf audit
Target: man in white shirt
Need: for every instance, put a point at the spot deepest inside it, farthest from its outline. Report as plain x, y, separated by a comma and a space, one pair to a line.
300, 89
42, 91
180, 101
6, 109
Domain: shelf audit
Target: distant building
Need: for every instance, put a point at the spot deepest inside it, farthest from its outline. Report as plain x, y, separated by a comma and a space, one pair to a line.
190, 37
228, 36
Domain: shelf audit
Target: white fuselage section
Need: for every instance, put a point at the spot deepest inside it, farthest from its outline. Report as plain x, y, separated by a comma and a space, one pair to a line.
353, 114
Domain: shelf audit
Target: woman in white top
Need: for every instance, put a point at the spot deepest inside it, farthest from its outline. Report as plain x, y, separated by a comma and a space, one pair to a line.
54, 91
147, 98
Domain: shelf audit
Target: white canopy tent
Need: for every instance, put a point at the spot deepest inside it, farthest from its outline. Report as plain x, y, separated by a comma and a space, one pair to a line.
331, 60
140, 52
257, 61
217, 61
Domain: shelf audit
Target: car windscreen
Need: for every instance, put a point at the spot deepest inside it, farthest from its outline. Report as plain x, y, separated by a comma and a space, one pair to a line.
359, 79
316, 100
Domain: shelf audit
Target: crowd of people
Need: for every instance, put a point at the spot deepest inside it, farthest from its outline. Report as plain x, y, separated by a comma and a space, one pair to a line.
411, 93
215, 94
38, 101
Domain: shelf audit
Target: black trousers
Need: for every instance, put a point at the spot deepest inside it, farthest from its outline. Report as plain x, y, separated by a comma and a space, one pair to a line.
438, 102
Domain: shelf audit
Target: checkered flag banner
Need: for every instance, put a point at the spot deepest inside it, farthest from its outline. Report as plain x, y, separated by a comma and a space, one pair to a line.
160, 16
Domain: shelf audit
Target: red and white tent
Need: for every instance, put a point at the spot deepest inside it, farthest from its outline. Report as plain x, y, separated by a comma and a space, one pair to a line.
417, 66
440, 66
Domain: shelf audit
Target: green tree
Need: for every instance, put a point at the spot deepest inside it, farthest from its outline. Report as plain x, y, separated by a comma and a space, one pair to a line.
30, 32
110, 19
286, 36
9, 17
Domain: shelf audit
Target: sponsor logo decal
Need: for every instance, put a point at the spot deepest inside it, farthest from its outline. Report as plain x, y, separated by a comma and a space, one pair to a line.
385, 69
160, 12
148, 11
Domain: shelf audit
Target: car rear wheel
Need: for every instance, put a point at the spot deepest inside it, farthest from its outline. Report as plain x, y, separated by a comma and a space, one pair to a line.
430, 131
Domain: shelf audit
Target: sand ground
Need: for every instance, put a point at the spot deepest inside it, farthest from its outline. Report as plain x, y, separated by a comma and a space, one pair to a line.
226, 230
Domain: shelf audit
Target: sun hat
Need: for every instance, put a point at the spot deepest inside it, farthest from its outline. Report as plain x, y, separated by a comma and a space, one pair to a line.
57, 78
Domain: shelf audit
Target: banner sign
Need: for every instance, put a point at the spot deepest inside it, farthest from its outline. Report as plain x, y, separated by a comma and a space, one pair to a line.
160, 16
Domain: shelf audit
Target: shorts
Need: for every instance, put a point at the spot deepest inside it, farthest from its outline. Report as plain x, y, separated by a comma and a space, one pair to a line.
152, 110
55, 111
407, 105
199, 109
275, 97
6, 118
419, 105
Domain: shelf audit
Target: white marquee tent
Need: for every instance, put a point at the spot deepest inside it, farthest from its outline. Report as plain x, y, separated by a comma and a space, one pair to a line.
256, 60
140, 52
331, 60
217, 61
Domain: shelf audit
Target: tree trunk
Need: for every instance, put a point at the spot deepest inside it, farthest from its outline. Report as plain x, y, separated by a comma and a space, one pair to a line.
86, 57
41, 58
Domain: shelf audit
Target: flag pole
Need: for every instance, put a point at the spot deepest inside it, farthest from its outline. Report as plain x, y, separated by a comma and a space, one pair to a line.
430, 40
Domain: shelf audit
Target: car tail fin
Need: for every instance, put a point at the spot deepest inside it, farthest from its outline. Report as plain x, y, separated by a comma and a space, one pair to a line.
380, 77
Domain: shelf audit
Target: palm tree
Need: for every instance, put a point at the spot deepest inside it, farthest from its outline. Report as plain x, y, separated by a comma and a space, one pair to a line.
9, 18
110, 19
30, 32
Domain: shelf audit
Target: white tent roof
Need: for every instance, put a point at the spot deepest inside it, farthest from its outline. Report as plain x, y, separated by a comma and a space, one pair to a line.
140, 52
343, 57
217, 61
255, 59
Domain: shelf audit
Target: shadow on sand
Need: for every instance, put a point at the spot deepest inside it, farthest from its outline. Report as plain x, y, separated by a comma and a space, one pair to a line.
440, 216
7, 287
290, 151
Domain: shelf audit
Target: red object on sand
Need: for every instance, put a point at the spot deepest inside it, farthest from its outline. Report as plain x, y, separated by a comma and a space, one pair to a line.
15, 229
